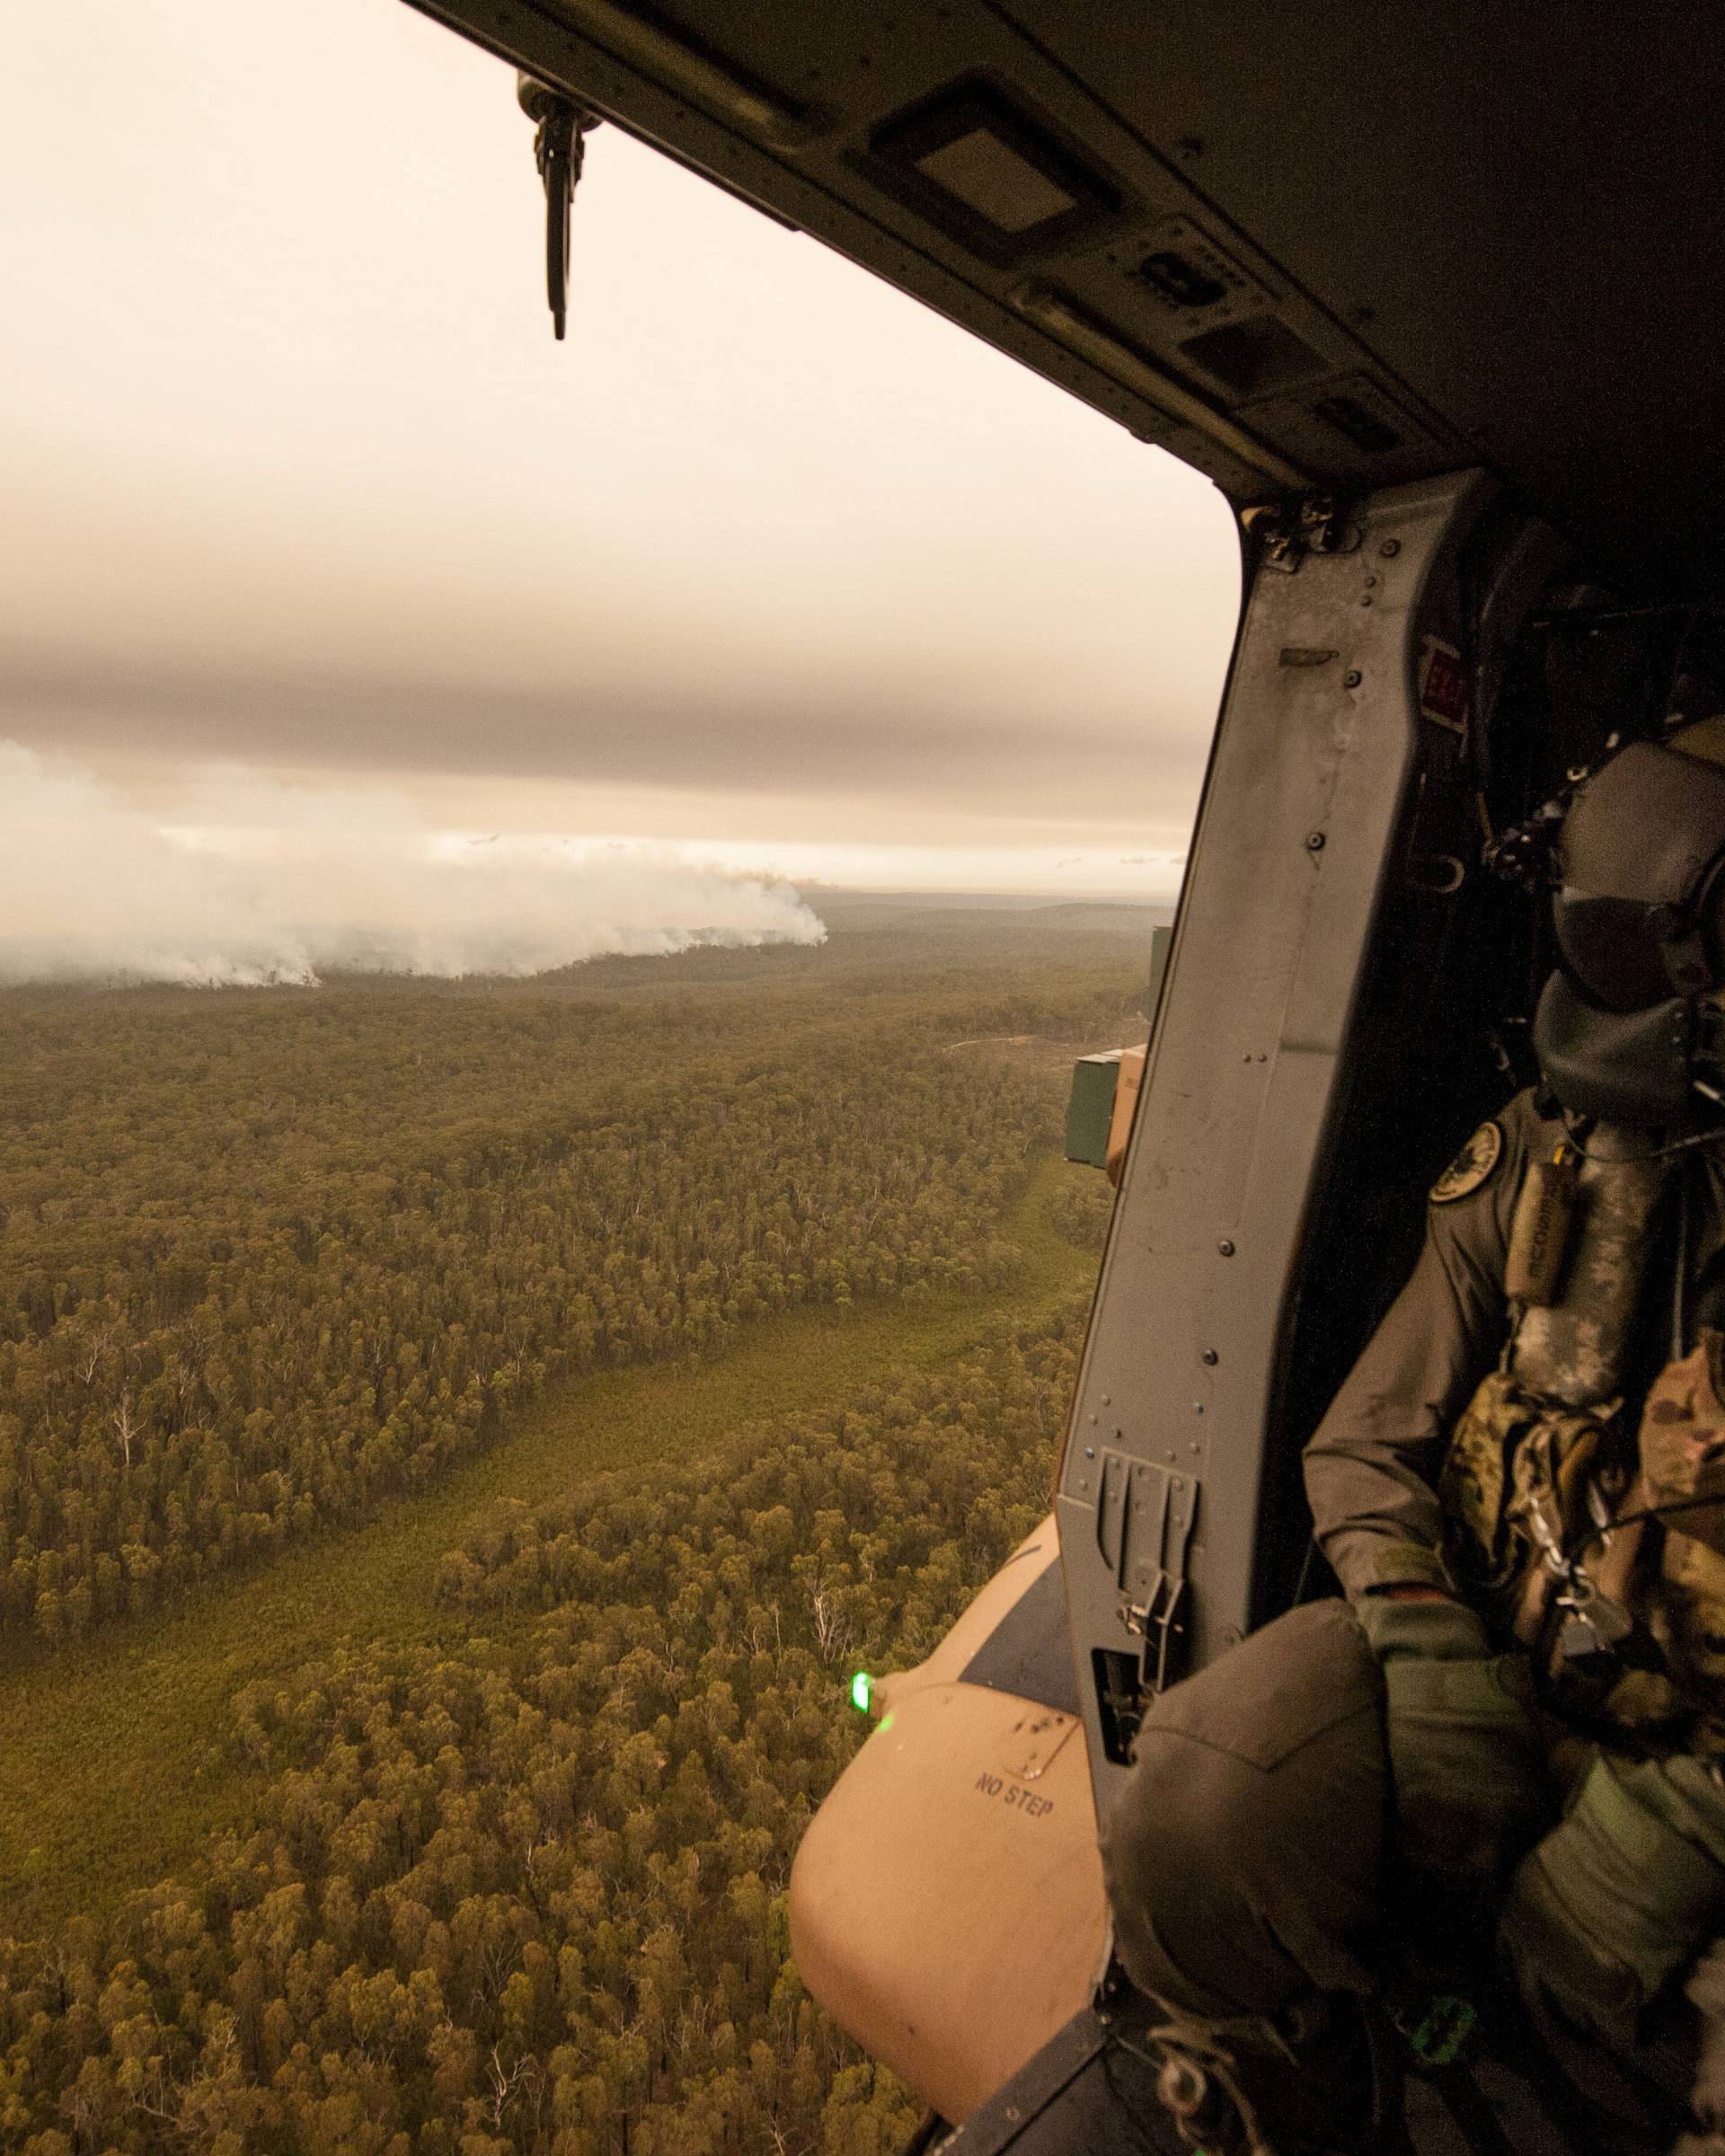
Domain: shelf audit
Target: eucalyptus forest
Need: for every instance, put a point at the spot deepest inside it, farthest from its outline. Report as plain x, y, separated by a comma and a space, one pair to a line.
456, 1442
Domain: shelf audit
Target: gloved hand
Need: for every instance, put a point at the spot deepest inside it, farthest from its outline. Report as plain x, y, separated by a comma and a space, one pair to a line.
1620, 1894
1465, 1757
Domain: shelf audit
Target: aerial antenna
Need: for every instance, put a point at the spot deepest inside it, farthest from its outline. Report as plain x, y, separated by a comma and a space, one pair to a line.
561, 128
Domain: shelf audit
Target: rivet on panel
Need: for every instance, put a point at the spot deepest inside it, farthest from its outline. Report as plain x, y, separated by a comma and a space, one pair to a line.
1353, 678
1209, 1355
1225, 1248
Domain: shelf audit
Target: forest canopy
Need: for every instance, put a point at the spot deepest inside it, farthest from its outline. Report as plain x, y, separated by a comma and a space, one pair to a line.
271, 1258
531, 1897
511, 1880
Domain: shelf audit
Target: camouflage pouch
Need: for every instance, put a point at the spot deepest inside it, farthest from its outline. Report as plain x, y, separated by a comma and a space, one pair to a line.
1683, 1466
1514, 1481
1683, 1442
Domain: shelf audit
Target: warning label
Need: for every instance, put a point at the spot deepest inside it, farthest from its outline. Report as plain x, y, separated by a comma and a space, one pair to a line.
1443, 685
1015, 1795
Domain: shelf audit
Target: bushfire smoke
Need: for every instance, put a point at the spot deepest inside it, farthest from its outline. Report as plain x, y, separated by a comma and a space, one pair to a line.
249, 883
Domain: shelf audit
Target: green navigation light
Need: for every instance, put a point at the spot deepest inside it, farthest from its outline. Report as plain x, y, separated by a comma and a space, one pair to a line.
859, 1691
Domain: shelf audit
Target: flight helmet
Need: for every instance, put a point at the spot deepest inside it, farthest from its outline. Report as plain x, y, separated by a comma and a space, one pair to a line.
1630, 1028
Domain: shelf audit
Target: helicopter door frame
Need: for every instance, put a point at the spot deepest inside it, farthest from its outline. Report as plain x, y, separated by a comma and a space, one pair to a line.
1162, 1479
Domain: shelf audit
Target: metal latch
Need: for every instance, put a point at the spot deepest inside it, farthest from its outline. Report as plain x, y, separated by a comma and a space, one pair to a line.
1145, 1515
1289, 531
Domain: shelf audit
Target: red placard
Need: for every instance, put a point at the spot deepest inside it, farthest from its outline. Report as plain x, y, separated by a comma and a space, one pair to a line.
1443, 685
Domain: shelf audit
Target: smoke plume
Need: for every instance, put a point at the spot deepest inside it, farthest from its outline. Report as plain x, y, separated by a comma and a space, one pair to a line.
251, 883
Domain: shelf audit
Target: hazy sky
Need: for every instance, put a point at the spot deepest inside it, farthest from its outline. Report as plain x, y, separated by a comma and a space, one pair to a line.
766, 561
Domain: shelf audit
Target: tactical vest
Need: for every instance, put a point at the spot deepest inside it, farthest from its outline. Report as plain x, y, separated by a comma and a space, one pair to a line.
1626, 1625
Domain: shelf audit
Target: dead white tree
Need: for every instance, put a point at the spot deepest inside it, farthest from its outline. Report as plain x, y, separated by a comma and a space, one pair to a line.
832, 1626
507, 2084
92, 1352
126, 1427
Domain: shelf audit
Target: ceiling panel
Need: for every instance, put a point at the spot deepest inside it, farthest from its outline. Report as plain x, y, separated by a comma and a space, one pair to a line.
1335, 246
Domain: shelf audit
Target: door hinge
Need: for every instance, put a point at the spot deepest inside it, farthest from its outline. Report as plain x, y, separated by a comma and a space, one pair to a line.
1288, 531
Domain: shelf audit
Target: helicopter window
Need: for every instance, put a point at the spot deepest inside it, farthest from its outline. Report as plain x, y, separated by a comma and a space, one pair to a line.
987, 176
985, 171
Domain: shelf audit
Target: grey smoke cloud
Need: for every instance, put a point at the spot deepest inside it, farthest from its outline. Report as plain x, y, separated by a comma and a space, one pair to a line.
877, 736
256, 883
295, 476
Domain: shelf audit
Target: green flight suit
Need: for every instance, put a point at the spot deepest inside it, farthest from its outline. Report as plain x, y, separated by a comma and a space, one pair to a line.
1248, 1858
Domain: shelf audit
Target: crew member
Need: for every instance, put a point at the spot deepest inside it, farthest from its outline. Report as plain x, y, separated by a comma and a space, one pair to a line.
1512, 1732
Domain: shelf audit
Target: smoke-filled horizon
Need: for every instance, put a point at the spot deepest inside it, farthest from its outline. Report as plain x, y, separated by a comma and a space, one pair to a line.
255, 884
764, 554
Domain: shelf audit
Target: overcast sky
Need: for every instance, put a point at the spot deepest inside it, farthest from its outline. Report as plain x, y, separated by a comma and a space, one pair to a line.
767, 559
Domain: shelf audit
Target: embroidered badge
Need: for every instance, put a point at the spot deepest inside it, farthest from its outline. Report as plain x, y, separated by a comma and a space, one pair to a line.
1472, 1166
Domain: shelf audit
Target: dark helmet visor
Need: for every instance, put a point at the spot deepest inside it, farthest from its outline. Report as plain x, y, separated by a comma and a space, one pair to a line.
1642, 848
1612, 950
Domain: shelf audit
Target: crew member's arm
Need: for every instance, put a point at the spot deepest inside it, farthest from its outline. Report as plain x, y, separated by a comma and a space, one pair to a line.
1622, 1896
1628, 1889
1464, 1746
1371, 1468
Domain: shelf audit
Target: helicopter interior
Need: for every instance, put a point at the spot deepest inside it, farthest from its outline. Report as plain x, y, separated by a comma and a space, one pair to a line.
1430, 303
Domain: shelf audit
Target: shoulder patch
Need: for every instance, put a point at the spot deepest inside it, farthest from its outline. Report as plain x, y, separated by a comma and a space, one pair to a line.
1472, 1167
